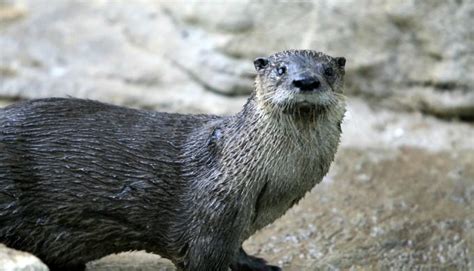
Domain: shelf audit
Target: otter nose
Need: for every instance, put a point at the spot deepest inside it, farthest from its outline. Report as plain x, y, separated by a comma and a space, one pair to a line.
307, 84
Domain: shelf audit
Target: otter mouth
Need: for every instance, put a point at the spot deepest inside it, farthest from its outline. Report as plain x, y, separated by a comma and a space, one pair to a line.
308, 103
305, 105
294, 102
302, 108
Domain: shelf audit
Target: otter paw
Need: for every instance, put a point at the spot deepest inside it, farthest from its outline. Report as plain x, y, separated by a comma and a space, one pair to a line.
251, 263
80, 267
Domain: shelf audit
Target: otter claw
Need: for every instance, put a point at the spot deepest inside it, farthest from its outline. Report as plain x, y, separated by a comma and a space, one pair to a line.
251, 263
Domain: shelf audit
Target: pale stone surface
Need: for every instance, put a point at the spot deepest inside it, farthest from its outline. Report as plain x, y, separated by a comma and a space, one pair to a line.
132, 261
174, 55
14, 260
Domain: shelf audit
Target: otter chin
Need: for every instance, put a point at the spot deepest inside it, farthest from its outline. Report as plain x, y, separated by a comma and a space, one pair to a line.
308, 103
80, 179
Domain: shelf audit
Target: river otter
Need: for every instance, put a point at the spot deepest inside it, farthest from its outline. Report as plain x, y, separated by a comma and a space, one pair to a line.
81, 179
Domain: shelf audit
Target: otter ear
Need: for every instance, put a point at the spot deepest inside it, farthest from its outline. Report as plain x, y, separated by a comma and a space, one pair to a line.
341, 61
260, 63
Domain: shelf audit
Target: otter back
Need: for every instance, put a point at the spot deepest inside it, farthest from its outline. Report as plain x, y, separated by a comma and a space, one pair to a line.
79, 175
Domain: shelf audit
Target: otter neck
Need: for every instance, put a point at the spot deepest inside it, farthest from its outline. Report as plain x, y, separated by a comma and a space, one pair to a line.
265, 124
261, 137
278, 156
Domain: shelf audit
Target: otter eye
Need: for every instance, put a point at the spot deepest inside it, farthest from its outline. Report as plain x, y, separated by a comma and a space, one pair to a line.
281, 70
328, 71
341, 61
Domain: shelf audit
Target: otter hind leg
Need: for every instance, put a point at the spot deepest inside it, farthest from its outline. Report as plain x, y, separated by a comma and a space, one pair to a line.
246, 262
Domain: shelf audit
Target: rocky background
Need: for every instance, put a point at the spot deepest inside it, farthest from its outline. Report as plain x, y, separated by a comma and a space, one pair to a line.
401, 192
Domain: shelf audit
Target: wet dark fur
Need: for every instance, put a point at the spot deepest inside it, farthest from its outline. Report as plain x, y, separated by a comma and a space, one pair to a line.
81, 179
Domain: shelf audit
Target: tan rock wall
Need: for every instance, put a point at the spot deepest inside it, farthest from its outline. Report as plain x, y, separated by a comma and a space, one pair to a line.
192, 55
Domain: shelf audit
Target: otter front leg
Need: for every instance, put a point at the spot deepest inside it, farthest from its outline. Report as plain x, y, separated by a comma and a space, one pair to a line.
216, 239
211, 252
245, 262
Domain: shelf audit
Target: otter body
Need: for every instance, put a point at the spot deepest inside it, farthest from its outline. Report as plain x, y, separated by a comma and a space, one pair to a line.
81, 179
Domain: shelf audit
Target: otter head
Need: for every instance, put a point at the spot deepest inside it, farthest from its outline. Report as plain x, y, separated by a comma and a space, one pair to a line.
299, 81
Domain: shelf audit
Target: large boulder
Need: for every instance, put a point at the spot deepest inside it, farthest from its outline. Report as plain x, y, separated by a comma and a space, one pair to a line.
193, 55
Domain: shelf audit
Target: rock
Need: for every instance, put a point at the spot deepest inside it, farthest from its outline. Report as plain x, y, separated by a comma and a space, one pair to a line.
131, 261
14, 260
445, 104
11, 11
411, 55
86, 50
393, 49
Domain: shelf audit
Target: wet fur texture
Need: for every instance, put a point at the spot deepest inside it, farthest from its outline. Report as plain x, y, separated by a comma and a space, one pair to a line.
81, 179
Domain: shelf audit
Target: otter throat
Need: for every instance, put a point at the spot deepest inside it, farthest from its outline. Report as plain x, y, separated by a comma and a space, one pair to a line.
279, 157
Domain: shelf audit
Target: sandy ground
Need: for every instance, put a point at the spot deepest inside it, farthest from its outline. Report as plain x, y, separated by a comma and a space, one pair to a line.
399, 196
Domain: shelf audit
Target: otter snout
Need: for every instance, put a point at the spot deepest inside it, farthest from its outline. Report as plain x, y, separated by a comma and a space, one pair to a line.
308, 83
